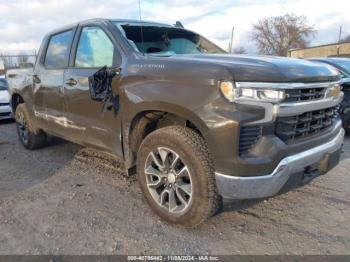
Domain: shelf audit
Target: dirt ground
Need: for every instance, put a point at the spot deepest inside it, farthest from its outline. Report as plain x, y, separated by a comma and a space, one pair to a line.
65, 199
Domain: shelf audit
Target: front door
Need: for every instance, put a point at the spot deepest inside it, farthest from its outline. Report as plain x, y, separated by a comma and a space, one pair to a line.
93, 50
48, 84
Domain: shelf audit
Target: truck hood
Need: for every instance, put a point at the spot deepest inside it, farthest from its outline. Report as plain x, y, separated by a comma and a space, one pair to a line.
267, 68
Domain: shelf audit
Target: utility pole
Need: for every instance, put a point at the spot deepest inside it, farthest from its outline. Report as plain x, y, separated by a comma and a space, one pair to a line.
339, 39
231, 43
340, 32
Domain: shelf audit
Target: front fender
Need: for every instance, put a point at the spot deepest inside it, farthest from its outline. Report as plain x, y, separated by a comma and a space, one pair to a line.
215, 118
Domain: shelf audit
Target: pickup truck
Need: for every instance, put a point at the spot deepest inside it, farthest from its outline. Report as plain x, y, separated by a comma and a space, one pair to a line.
195, 124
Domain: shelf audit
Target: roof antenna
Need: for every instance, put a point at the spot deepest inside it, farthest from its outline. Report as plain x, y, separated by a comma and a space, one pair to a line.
179, 25
143, 46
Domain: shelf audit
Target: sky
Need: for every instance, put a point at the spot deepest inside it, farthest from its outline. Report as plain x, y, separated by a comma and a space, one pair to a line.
23, 23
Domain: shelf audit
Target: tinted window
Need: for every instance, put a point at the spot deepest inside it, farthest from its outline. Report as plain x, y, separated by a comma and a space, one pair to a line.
95, 49
57, 51
3, 84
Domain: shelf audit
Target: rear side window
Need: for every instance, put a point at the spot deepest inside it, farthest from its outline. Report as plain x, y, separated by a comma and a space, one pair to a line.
58, 50
3, 84
95, 49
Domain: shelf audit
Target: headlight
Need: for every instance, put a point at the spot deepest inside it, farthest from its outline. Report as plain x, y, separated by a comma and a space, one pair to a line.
229, 91
232, 93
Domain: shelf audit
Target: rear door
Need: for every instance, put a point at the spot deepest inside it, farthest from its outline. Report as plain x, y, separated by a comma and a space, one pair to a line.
48, 83
93, 48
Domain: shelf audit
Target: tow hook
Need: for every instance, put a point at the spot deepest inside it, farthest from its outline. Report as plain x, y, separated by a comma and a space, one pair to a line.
309, 174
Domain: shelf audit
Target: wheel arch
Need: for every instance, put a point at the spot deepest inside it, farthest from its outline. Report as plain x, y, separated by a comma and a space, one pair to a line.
16, 99
150, 118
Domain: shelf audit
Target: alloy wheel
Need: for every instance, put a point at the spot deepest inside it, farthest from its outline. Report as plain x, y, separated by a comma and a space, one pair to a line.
168, 180
22, 128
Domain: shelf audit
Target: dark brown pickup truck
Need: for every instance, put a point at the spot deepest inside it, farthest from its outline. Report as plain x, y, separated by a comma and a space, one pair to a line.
194, 123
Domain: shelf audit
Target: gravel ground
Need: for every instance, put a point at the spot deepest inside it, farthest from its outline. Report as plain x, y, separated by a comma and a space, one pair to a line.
65, 199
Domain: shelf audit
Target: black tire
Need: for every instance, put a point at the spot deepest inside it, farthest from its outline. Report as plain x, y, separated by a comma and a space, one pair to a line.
346, 126
29, 139
192, 150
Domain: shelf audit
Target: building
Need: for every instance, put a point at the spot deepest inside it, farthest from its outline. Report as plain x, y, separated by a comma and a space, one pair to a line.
341, 49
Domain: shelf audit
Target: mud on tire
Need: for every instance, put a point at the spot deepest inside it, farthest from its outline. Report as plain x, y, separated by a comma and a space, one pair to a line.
29, 139
188, 148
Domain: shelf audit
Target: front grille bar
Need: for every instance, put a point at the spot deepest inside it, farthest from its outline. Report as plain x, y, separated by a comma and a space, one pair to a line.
304, 94
310, 123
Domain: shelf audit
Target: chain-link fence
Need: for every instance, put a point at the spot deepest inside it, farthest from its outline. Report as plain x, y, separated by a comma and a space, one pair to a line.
16, 59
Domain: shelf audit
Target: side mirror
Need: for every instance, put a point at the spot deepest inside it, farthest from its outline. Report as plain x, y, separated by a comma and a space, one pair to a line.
100, 83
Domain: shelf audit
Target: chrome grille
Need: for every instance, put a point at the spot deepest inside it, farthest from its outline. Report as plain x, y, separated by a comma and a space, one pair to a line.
307, 124
304, 94
4, 104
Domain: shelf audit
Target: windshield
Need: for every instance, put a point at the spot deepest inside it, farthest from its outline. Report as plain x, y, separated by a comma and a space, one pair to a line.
158, 40
344, 64
3, 84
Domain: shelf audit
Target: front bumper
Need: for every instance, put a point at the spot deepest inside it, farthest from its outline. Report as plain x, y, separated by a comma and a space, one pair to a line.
268, 185
5, 112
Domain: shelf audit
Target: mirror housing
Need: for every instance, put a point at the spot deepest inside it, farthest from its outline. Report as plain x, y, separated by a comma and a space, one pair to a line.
100, 83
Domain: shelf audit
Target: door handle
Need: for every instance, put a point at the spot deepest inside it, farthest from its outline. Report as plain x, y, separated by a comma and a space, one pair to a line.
36, 79
71, 82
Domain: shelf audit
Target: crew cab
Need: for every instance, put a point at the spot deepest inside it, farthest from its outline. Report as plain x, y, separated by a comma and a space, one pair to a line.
194, 123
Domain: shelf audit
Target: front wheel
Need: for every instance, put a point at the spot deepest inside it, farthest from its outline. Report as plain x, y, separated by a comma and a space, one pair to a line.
176, 175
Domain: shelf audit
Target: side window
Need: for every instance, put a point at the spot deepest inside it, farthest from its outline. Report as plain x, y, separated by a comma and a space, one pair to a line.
3, 84
95, 49
57, 50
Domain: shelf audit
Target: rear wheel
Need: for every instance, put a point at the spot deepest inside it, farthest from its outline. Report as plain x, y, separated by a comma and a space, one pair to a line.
176, 175
26, 135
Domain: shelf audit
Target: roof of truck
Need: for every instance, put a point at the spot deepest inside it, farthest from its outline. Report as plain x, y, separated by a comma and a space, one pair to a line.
137, 22
101, 20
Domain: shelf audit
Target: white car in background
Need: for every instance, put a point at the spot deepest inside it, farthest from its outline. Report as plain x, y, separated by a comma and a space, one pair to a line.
5, 109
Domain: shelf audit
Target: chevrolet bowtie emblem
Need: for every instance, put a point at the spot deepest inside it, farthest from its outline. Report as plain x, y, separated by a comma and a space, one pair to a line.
334, 91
